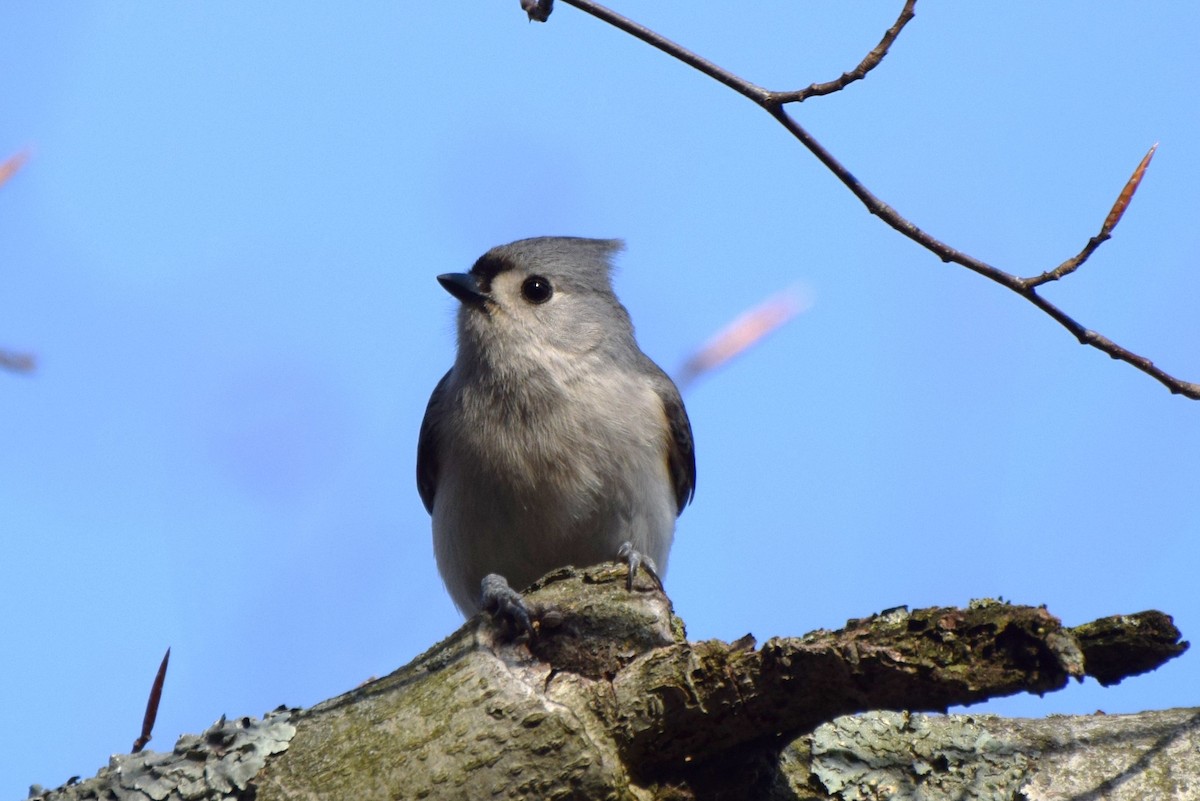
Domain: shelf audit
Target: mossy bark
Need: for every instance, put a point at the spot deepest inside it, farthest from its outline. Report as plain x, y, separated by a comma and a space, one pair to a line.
609, 700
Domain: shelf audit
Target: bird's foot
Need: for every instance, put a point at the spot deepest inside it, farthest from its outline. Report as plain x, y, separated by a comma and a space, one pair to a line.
505, 605
635, 559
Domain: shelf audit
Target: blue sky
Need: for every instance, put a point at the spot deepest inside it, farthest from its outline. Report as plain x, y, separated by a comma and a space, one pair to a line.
222, 252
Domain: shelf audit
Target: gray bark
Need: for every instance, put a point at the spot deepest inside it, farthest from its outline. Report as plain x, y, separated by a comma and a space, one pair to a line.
610, 701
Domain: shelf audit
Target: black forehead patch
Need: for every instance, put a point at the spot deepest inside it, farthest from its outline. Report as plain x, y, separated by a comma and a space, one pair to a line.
487, 267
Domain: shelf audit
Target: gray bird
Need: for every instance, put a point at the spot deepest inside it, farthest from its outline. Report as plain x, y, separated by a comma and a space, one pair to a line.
553, 440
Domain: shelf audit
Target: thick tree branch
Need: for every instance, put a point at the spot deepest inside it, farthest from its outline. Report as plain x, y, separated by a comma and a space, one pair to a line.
610, 700
774, 103
696, 701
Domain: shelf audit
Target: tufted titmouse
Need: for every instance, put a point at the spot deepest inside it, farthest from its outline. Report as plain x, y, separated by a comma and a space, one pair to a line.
553, 440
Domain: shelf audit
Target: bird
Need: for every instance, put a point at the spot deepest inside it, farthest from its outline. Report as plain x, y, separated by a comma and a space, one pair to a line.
553, 440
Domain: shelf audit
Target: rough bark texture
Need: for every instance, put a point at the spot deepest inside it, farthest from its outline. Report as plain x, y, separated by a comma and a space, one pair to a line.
610, 701
1152, 755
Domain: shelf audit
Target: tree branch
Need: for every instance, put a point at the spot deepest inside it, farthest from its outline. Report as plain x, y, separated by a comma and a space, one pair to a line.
773, 102
696, 701
610, 700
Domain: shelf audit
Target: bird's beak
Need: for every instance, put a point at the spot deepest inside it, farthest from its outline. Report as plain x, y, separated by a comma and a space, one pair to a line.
463, 286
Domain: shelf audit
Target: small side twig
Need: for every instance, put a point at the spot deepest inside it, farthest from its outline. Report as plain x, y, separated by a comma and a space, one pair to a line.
152, 705
1110, 222
870, 62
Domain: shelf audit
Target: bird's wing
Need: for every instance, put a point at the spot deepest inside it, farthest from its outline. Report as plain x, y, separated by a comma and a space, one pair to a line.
681, 451
427, 449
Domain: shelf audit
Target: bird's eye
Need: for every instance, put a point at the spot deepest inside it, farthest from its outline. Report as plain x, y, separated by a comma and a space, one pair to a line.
536, 289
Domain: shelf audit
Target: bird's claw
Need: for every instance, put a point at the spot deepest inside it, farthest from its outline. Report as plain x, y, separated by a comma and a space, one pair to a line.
636, 559
505, 605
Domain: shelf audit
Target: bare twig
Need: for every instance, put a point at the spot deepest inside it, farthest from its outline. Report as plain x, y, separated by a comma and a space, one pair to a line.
774, 102
870, 62
740, 85
152, 704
